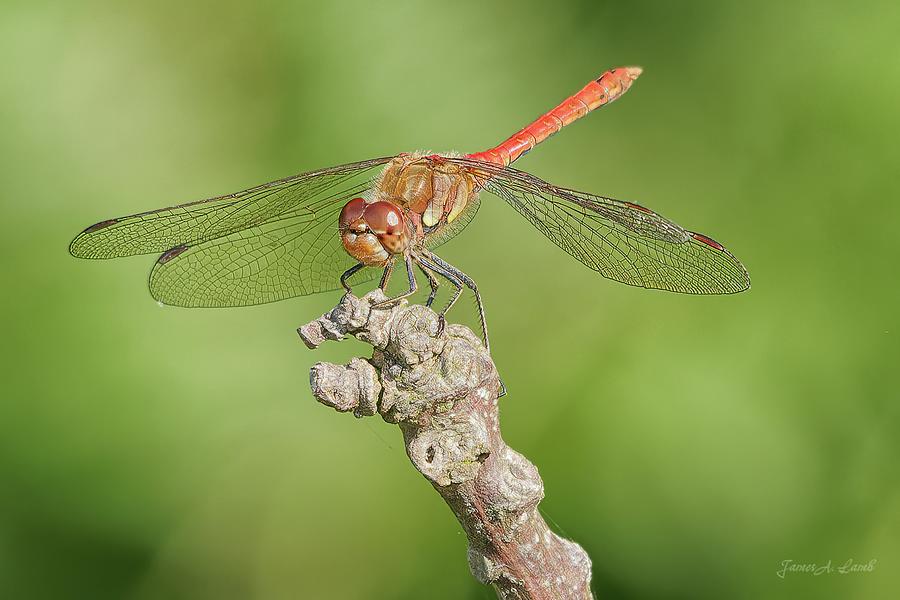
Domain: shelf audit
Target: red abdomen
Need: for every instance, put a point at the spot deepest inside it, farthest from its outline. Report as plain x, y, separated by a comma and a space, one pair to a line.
602, 90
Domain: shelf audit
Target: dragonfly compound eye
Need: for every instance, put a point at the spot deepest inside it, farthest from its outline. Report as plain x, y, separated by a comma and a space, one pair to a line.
386, 221
357, 236
352, 213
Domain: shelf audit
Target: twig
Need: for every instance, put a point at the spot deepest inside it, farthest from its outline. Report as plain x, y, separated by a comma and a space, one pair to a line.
441, 388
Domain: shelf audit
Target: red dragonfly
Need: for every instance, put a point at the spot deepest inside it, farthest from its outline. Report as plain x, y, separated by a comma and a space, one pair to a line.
316, 231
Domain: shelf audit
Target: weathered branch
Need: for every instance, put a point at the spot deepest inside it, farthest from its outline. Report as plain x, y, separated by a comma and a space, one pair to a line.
441, 388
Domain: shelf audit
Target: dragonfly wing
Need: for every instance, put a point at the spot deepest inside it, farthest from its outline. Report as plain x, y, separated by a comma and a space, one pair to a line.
189, 224
267, 243
297, 254
622, 241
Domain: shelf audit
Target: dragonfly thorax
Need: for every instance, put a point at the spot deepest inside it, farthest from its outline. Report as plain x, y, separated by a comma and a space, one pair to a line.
414, 196
433, 191
373, 231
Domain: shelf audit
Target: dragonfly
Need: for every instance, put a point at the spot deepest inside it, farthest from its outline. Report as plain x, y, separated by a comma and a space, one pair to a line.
342, 226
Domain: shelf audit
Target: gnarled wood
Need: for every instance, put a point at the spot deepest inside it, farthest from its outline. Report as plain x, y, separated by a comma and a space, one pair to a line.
441, 388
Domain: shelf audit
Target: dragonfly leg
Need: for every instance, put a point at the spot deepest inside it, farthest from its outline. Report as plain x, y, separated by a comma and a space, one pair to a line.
411, 275
470, 283
457, 285
386, 277
432, 281
458, 278
349, 273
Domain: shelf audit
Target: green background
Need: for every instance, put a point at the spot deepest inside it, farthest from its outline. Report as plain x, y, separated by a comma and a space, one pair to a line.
690, 444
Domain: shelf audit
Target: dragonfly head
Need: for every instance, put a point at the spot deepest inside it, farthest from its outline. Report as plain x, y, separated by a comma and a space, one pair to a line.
373, 231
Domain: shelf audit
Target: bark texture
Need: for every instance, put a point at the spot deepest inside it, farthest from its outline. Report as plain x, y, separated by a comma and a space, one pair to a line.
441, 388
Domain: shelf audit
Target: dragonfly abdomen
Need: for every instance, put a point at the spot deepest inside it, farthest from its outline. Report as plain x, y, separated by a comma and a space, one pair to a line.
595, 94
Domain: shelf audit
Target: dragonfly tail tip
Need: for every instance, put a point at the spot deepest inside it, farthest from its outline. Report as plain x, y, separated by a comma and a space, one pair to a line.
633, 72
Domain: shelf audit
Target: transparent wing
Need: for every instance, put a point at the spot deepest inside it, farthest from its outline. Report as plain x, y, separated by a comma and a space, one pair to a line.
295, 255
159, 230
268, 243
622, 241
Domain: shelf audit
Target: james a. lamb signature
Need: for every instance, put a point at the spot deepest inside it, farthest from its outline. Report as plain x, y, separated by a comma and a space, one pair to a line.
815, 569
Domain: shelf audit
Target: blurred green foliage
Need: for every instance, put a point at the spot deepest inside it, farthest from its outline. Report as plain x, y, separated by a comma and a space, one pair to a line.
690, 444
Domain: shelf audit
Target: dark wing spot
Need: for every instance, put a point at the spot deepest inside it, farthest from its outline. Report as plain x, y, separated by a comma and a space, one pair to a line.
707, 240
101, 225
643, 209
170, 254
